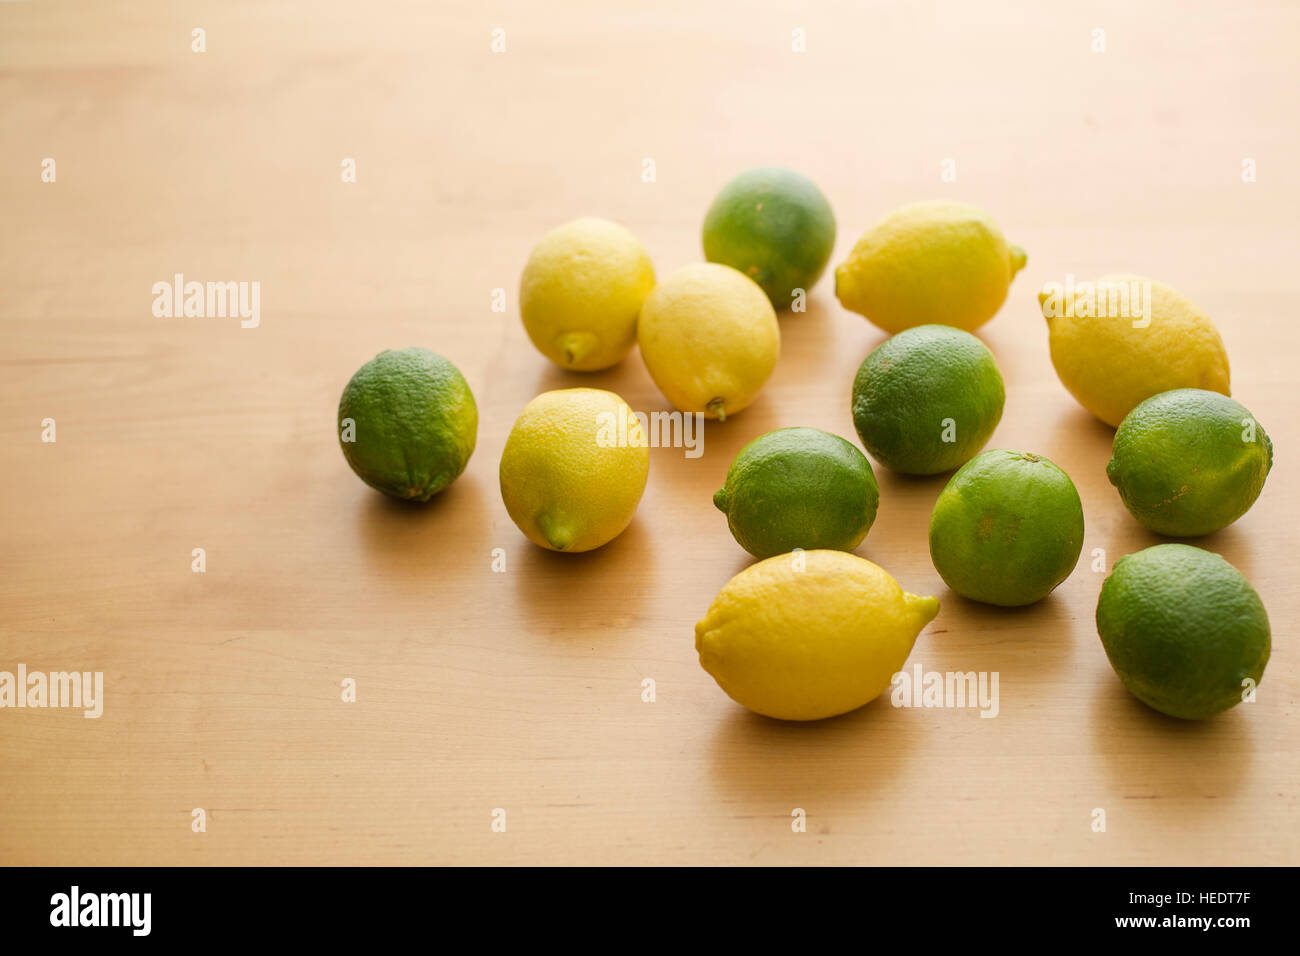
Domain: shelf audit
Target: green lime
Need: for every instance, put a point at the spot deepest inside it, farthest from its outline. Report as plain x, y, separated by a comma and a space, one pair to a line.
1184, 630
407, 423
799, 488
1188, 462
776, 227
1007, 529
927, 399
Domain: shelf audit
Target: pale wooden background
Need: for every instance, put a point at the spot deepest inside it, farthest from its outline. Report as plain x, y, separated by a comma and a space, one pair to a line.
522, 690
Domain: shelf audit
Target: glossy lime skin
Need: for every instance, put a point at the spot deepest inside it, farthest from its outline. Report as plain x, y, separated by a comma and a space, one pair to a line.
414, 423
1007, 529
1188, 462
921, 388
1184, 630
776, 227
799, 488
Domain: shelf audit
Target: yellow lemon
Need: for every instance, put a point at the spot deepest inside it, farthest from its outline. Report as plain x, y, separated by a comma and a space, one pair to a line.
581, 291
810, 634
929, 263
710, 339
1118, 341
574, 468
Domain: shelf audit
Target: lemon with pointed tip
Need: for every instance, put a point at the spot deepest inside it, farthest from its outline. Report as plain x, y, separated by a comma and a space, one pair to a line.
574, 468
809, 635
709, 338
581, 292
929, 263
1118, 341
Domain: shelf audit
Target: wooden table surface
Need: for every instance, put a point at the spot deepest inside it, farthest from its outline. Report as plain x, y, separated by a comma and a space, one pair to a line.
522, 690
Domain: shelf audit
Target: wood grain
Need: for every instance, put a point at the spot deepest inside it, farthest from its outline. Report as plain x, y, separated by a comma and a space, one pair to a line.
522, 690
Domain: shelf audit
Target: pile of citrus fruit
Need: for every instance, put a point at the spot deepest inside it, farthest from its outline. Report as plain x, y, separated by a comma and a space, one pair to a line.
811, 630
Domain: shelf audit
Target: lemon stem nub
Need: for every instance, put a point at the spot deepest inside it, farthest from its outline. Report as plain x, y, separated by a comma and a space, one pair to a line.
716, 409
575, 346
557, 534
924, 607
720, 500
1018, 260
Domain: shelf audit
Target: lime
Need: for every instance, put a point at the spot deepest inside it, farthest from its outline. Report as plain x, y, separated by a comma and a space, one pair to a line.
1007, 529
1189, 462
581, 291
408, 423
927, 399
776, 227
574, 468
930, 262
1122, 339
1184, 630
809, 635
799, 488
709, 338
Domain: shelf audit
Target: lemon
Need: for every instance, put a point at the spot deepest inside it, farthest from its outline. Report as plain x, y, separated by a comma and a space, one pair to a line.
581, 291
929, 263
709, 338
1188, 462
810, 634
1134, 348
407, 423
574, 468
1184, 630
